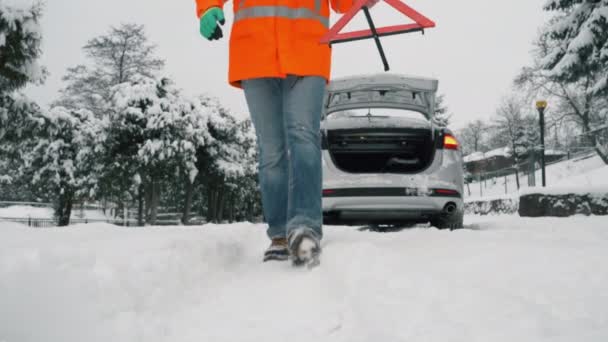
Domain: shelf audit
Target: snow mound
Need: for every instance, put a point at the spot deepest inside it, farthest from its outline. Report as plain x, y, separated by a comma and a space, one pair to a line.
592, 182
24, 211
477, 156
580, 173
507, 279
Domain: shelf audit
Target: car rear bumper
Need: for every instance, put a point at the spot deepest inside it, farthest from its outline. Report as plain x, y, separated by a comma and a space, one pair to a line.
385, 209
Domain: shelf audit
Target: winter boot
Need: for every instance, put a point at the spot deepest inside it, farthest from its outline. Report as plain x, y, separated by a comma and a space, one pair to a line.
277, 250
304, 247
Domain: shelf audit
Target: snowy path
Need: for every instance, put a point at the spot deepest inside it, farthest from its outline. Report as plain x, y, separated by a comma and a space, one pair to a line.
507, 279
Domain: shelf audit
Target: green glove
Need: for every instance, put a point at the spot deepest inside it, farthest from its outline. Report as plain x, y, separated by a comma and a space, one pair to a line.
208, 25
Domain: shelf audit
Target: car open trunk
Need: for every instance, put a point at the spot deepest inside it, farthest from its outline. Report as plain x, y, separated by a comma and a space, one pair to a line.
379, 143
399, 150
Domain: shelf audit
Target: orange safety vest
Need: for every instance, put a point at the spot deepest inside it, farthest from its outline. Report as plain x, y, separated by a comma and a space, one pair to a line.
274, 38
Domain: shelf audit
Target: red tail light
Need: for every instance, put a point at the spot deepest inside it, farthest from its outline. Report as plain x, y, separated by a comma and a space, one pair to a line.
328, 192
448, 192
450, 142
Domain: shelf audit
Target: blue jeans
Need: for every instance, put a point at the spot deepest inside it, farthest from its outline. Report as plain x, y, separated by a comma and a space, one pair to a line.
286, 114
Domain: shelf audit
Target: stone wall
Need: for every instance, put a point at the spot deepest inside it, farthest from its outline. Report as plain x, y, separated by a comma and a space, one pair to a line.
494, 206
563, 205
538, 205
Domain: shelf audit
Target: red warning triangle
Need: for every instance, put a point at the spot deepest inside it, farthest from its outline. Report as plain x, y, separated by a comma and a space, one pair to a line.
334, 36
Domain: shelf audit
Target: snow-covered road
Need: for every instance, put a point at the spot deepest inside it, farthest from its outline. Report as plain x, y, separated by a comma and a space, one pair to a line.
504, 279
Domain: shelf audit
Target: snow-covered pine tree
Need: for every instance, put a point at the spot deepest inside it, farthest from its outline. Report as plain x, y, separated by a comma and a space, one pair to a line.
578, 47
121, 55
570, 101
571, 66
16, 137
20, 38
63, 161
228, 171
154, 134
248, 195
442, 116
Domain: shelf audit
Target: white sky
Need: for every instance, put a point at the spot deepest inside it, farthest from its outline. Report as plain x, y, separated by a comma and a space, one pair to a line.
475, 51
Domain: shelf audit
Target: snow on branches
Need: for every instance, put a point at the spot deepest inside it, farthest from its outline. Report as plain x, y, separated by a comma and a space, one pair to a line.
578, 44
20, 37
63, 157
233, 151
166, 127
158, 136
16, 121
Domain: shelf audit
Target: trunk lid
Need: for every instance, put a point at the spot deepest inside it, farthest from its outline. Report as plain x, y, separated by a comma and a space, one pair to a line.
374, 122
392, 139
382, 91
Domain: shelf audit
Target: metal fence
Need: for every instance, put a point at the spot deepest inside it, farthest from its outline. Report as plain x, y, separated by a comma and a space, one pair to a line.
48, 223
32, 204
521, 171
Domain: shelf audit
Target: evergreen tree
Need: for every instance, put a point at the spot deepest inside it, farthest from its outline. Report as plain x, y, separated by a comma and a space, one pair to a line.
571, 66
20, 40
228, 165
578, 42
442, 116
153, 135
63, 161
17, 122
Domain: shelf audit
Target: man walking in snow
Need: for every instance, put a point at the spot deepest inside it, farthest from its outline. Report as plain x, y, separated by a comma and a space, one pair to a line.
276, 58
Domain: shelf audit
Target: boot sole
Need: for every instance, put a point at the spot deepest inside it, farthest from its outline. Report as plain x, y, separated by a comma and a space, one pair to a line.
280, 255
313, 253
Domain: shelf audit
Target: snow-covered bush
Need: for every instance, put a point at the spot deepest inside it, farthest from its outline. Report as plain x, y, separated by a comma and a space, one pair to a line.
64, 158
172, 127
154, 134
228, 165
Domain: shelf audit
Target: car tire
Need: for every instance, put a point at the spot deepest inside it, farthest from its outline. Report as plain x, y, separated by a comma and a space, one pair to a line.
451, 222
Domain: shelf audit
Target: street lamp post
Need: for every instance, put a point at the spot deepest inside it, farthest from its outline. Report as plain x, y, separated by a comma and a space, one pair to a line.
541, 106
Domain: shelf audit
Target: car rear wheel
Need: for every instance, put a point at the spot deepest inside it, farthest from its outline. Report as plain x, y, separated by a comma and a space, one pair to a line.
455, 221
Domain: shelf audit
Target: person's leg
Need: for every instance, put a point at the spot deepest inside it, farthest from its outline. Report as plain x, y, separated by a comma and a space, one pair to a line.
264, 100
302, 106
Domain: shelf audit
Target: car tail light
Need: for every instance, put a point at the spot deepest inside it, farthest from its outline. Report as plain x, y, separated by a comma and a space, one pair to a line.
448, 192
327, 192
450, 142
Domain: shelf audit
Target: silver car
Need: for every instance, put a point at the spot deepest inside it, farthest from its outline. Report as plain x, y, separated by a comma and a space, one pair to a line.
384, 160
